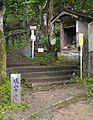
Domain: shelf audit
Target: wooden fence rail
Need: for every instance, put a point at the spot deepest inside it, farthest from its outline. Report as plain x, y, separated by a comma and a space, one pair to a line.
14, 36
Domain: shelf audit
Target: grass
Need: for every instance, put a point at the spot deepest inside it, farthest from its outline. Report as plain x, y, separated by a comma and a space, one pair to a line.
88, 83
50, 58
33, 116
5, 98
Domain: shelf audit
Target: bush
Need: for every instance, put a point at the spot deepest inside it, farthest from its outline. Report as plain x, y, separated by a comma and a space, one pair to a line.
5, 98
12, 22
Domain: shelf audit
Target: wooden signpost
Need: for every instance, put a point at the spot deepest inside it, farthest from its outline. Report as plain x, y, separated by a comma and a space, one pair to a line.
33, 39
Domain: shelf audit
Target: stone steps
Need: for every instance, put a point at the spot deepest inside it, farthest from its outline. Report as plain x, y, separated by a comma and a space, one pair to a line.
49, 73
45, 81
26, 69
9, 65
48, 79
44, 75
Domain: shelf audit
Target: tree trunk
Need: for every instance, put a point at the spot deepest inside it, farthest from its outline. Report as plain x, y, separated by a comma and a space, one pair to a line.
49, 18
40, 19
2, 50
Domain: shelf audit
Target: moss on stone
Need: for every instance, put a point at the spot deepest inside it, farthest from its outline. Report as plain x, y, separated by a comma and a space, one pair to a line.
1, 34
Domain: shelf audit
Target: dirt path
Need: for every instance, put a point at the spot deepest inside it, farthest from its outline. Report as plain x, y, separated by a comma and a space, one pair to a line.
50, 104
42, 100
81, 110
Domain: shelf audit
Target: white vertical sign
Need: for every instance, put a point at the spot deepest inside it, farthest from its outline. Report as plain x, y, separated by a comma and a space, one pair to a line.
81, 61
33, 48
15, 89
81, 46
33, 38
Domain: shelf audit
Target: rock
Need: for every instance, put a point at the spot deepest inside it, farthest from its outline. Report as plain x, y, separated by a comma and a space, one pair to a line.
27, 51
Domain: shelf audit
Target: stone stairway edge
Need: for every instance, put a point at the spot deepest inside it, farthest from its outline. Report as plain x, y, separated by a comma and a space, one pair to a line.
59, 104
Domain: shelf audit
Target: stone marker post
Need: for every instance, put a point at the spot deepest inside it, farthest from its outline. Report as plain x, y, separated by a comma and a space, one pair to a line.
15, 89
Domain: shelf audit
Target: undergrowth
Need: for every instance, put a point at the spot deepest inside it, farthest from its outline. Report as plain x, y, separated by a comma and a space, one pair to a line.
17, 43
88, 83
5, 98
43, 58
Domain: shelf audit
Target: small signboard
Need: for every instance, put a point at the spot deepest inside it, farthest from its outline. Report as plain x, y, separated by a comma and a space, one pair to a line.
33, 27
40, 49
33, 37
15, 89
80, 39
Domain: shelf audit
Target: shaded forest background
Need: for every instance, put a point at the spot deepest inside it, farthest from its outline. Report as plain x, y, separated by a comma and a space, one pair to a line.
22, 13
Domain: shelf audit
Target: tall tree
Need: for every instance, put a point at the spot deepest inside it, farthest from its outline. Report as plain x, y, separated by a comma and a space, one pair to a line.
85, 6
2, 46
49, 18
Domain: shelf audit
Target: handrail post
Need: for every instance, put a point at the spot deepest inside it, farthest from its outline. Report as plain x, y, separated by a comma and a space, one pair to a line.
7, 42
20, 38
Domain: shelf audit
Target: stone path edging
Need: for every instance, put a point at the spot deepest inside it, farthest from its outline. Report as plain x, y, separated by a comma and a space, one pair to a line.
59, 104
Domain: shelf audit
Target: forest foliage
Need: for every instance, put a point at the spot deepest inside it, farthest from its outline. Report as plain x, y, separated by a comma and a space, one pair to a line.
21, 10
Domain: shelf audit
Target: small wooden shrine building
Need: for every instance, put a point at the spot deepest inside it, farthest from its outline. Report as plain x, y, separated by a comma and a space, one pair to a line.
71, 24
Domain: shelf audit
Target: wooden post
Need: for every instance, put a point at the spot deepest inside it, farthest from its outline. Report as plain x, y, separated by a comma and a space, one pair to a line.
20, 38
89, 64
7, 42
26, 36
13, 40
77, 33
61, 37
85, 57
